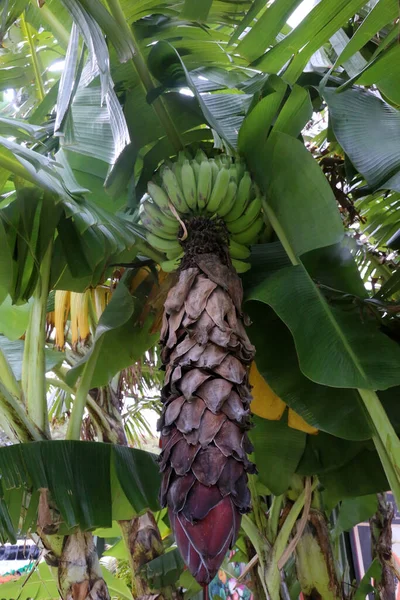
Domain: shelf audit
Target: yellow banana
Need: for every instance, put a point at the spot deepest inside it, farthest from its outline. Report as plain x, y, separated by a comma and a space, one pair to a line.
242, 198
248, 217
249, 235
219, 190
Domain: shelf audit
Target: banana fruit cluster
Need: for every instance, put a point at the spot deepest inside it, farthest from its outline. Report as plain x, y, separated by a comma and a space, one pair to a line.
219, 186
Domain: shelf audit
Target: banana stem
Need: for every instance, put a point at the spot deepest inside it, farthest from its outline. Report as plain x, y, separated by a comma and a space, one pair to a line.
27, 32
145, 77
385, 439
33, 364
273, 519
75, 421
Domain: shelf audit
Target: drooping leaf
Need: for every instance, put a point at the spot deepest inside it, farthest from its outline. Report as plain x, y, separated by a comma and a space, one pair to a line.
164, 570
336, 347
13, 351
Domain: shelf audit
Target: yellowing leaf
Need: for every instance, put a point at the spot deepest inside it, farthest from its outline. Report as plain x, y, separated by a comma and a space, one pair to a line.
266, 403
295, 421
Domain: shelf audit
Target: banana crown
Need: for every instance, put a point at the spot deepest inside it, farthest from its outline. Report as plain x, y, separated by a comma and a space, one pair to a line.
219, 186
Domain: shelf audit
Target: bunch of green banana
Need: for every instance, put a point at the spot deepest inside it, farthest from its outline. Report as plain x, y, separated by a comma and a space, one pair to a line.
218, 186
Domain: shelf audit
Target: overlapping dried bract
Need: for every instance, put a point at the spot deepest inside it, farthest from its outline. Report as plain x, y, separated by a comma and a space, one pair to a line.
206, 399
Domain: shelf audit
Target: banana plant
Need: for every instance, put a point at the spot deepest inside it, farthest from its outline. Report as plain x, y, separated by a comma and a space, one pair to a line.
174, 135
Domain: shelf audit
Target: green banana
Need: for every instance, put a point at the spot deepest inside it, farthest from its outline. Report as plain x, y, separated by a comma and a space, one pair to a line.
204, 184
173, 190
196, 169
214, 170
238, 250
227, 203
249, 235
242, 198
169, 224
250, 214
177, 253
240, 168
159, 197
200, 156
189, 186
169, 266
240, 266
152, 228
233, 173
162, 244
219, 190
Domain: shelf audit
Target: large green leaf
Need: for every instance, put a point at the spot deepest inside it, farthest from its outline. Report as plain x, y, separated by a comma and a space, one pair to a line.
298, 194
277, 451
335, 345
368, 129
40, 584
84, 470
164, 570
355, 510
14, 319
14, 350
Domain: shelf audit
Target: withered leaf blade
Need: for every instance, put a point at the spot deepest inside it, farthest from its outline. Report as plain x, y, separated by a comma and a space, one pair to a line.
196, 300
179, 490
210, 425
190, 415
173, 410
229, 440
200, 330
192, 357
191, 381
200, 501
182, 457
232, 471
231, 369
214, 393
233, 408
208, 465
174, 323
223, 276
177, 295
182, 348
220, 306
211, 357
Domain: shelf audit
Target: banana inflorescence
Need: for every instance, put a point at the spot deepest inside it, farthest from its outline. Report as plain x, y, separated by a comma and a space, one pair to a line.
215, 187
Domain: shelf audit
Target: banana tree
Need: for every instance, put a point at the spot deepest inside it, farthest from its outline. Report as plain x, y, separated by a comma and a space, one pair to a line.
189, 117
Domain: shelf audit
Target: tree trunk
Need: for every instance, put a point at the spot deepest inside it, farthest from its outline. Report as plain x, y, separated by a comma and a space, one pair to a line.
206, 399
144, 543
381, 547
315, 563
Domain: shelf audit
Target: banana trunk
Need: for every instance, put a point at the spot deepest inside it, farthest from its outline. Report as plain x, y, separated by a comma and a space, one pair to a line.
315, 563
206, 397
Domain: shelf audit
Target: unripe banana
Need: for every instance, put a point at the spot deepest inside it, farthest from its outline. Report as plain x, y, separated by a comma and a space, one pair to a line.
214, 169
240, 168
248, 217
189, 186
249, 235
169, 266
227, 203
152, 228
161, 220
242, 198
173, 190
233, 173
159, 197
219, 190
177, 253
200, 156
177, 170
240, 266
196, 170
204, 184
162, 244
238, 250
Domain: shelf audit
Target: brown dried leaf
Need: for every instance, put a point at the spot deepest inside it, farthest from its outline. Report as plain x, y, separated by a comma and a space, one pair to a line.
191, 381
190, 415
173, 326
197, 298
182, 457
211, 357
229, 440
231, 369
209, 427
177, 295
223, 275
208, 465
219, 306
214, 393
233, 408
173, 410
